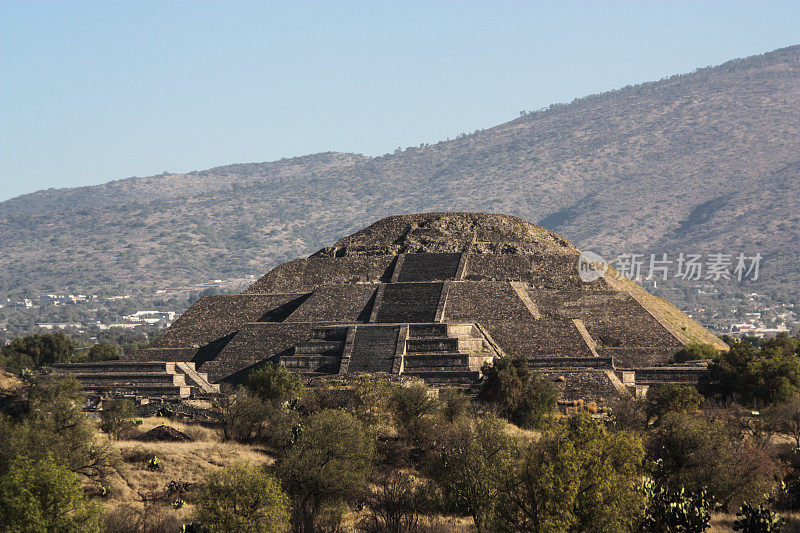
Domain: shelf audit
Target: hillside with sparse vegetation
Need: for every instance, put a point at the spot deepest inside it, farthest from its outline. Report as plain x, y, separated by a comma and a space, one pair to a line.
706, 161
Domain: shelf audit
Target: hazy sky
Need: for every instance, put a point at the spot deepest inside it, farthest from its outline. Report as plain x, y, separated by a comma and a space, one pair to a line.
96, 91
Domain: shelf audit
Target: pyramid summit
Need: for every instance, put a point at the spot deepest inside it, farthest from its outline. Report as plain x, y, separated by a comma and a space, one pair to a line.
435, 296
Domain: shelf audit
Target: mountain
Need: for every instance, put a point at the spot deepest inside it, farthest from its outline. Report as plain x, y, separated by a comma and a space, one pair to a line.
707, 161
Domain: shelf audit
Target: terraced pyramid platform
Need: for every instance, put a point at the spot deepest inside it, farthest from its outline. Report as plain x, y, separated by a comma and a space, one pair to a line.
435, 296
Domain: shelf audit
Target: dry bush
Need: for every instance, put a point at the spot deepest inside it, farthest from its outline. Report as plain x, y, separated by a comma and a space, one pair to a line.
152, 518
123, 518
139, 454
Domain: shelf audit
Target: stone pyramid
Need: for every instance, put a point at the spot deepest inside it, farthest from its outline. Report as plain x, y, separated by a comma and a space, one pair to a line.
435, 296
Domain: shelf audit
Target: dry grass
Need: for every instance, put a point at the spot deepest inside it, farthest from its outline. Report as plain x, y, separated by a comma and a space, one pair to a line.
8, 381
135, 484
724, 523
197, 432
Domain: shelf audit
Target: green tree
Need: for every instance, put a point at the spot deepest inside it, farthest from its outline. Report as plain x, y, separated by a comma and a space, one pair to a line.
116, 418
52, 423
35, 351
275, 383
454, 404
102, 352
521, 396
44, 495
466, 464
396, 502
695, 351
329, 463
787, 416
242, 498
697, 453
672, 398
579, 476
754, 376
244, 415
412, 406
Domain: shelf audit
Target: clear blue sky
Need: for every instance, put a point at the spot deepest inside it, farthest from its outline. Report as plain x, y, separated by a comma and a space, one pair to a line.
96, 91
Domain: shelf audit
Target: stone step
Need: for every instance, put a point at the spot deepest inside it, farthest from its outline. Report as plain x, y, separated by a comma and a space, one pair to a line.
321, 347
427, 330
432, 344
198, 380
443, 344
445, 376
463, 331
126, 378
312, 363
143, 391
570, 362
329, 334
437, 360
103, 367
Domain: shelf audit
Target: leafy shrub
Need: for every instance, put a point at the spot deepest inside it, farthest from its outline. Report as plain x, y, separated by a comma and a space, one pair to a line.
396, 503
521, 396
329, 463
757, 519
466, 465
579, 476
242, 498
102, 352
35, 351
412, 406
44, 495
697, 453
50, 422
275, 383
243, 415
696, 351
116, 418
755, 376
672, 398
454, 403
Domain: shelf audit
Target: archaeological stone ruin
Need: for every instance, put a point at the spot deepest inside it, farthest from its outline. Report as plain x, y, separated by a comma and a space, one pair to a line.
432, 296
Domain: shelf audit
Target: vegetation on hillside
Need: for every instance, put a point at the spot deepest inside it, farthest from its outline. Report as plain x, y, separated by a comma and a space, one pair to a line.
711, 158
374, 456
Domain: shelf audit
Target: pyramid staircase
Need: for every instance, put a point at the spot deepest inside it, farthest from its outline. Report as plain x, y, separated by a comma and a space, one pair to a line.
139, 379
445, 354
320, 355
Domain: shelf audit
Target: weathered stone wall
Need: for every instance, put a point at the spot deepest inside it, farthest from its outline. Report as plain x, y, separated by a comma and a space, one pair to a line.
429, 267
582, 384
252, 345
214, 317
631, 357
484, 301
304, 275
374, 349
409, 302
336, 304
538, 338
540, 271
612, 318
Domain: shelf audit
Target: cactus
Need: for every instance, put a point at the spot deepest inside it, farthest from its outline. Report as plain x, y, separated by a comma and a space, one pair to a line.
154, 463
677, 510
757, 519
